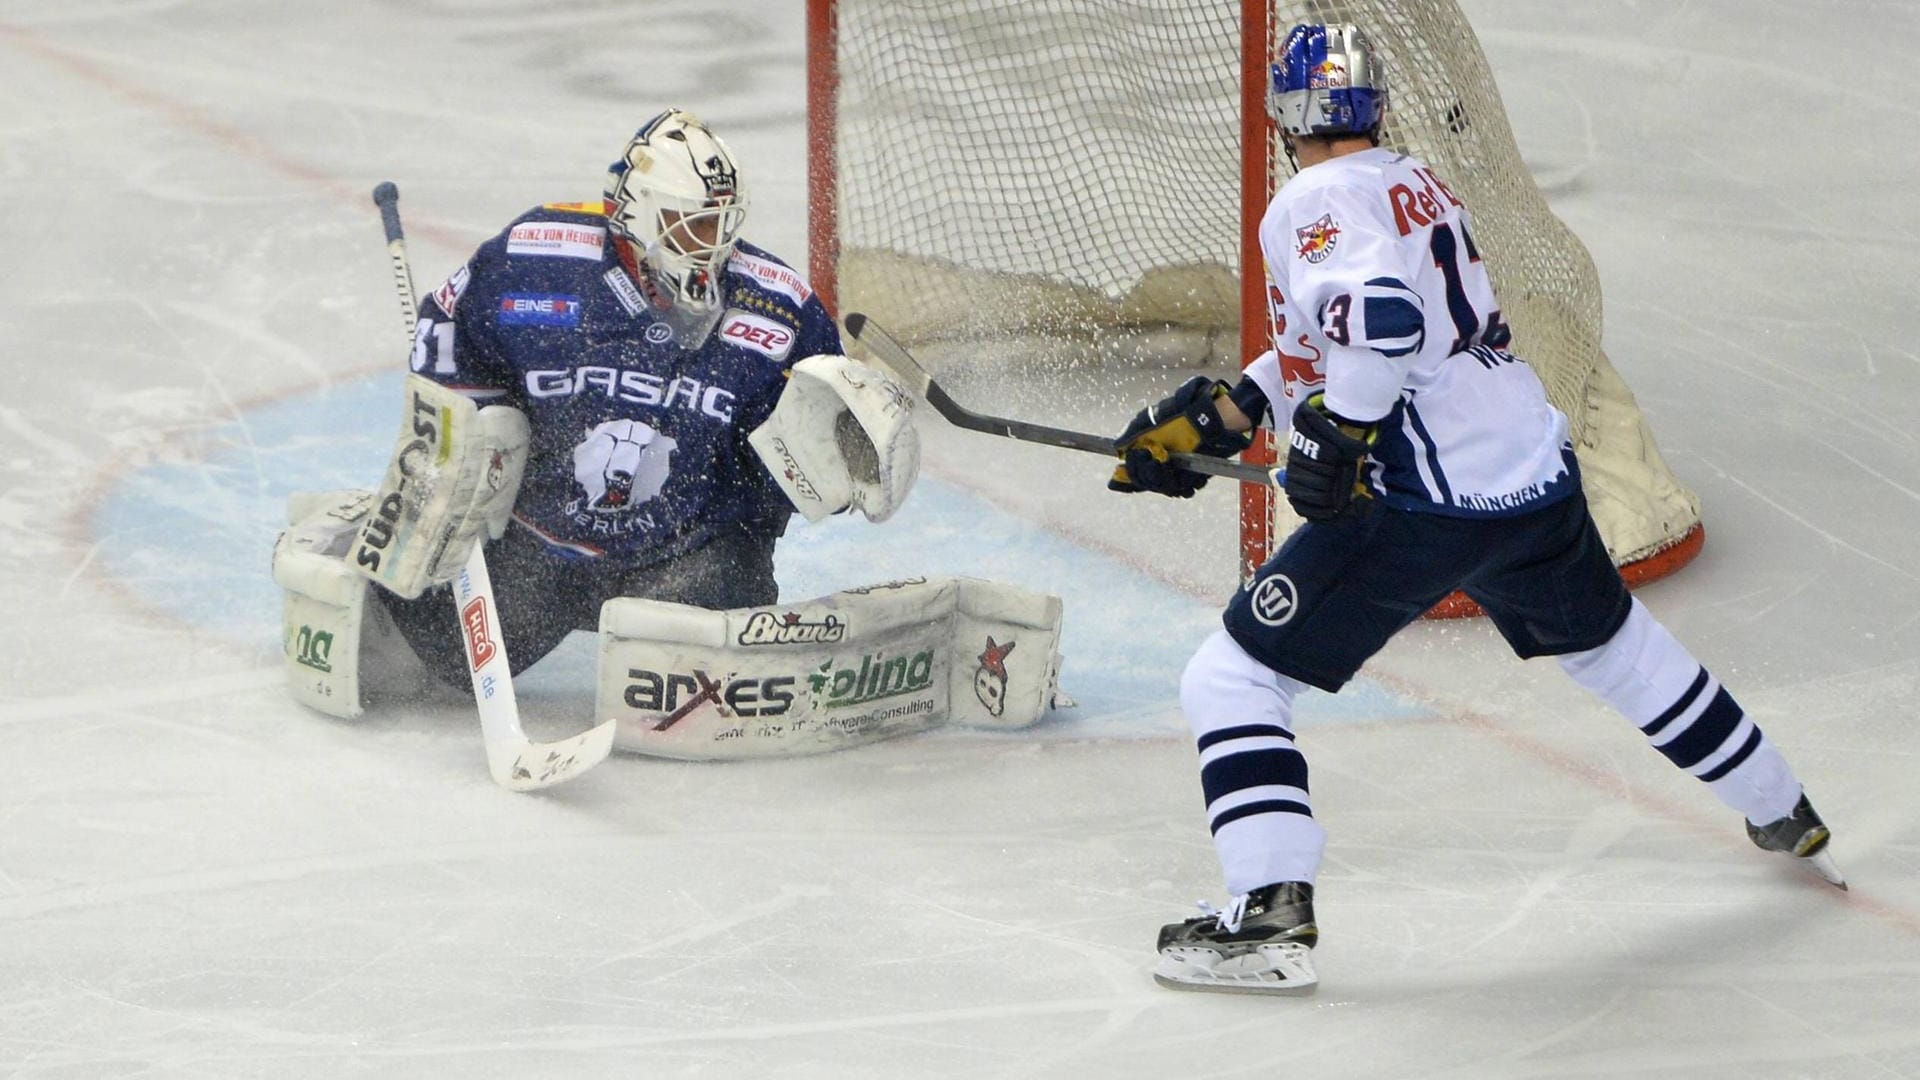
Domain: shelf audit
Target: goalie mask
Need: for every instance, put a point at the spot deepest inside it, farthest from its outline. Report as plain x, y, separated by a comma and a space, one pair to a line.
676, 208
1329, 81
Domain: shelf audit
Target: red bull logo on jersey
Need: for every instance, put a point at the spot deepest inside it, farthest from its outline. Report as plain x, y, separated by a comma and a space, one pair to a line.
1422, 206
1317, 239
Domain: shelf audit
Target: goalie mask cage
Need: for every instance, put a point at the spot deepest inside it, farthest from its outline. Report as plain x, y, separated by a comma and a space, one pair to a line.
998, 168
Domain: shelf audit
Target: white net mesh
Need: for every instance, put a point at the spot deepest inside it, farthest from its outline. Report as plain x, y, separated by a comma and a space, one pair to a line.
1048, 167
1061, 167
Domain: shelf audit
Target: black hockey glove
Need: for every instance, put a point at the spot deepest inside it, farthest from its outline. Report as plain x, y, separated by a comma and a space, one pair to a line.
1325, 453
1184, 422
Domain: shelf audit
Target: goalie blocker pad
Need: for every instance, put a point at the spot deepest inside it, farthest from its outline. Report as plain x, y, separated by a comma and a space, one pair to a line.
455, 471
854, 667
841, 437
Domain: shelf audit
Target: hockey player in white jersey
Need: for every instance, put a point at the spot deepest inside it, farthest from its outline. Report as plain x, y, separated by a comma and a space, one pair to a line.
1425, 458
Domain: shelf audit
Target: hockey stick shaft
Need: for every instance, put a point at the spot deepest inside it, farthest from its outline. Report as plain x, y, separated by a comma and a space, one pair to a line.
386, 196
895, 356
514, 761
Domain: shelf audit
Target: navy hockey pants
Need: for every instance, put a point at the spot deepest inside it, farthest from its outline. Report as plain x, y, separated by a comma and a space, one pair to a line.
1335, 592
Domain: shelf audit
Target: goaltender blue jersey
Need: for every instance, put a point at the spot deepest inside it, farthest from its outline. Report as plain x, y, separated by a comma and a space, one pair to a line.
1377, 297
639, 447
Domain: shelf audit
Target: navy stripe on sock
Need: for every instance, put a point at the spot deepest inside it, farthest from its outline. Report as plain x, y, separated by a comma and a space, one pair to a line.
1253, 768
1244, 731
1271, 806
1733, 761
1714, 726
1678, 707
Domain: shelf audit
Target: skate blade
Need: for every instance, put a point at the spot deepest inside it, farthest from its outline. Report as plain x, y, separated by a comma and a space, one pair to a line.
1283, 970
1241, 986
1821, 862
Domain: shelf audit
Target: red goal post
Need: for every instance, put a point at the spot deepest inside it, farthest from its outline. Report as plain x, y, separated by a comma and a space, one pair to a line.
994, 169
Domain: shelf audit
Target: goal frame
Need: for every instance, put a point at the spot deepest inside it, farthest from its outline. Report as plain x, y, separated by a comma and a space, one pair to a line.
1259, 174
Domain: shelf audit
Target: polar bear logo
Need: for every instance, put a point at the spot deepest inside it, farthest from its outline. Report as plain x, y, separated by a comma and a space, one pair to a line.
621, 464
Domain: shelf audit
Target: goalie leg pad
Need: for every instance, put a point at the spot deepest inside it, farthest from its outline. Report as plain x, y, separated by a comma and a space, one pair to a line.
324, 600
454, 474
854, 667
841, 437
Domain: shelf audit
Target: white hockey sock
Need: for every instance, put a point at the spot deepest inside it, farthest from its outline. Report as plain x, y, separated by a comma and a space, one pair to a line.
1254, 778
1687, 715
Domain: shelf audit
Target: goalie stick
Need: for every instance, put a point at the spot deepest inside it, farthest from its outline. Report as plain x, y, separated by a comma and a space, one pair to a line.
516, 762
896, 357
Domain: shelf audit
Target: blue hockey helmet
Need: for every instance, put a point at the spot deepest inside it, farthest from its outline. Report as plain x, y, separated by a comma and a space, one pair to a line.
1329, 81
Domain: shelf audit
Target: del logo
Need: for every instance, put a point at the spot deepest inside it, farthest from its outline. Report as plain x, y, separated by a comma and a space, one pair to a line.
314, 648
759, 334
1317, 239
788, 628
481, 648
990, 678
532, 309
878, 676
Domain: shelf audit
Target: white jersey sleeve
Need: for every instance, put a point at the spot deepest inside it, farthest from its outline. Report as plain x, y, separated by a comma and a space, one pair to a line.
1378, 297
1346, 277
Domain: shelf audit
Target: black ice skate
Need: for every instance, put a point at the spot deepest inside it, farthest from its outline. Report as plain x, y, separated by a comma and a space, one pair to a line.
1802, 835
1262, 944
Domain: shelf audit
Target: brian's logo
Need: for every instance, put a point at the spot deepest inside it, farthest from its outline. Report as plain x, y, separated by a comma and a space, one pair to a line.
622, 463
990, 678
1317, 239
788, 628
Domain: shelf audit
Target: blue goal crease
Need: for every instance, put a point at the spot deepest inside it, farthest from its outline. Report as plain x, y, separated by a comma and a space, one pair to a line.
193, 539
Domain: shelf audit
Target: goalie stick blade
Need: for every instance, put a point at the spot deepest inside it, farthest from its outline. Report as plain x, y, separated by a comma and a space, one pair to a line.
522, 765
901, 362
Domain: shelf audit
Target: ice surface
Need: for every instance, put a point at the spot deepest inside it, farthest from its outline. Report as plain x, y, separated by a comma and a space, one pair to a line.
200, 879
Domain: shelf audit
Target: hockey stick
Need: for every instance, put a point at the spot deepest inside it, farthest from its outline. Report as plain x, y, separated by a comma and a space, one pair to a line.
516, 762
895, 356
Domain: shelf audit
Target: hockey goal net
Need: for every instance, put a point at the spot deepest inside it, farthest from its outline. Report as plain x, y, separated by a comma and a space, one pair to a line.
1065, 168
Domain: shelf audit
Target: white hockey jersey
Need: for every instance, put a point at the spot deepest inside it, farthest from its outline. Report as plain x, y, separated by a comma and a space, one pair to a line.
1377, 295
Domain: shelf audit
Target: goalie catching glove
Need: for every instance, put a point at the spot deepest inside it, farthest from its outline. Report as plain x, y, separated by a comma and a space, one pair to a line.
1184, 422
1326, 454
841, 437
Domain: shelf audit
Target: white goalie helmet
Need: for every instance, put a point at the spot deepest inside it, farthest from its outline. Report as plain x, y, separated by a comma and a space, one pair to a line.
678, 204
